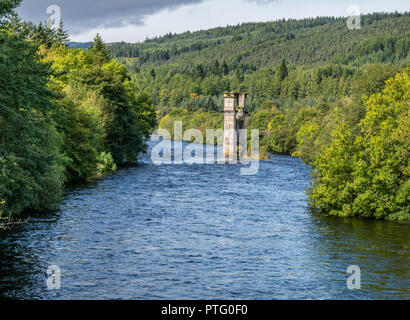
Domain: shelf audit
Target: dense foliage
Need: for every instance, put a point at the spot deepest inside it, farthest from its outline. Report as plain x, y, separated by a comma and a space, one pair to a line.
31, 168
293, 59
338, 98
66, 115
311, 85
368, 174
252, 46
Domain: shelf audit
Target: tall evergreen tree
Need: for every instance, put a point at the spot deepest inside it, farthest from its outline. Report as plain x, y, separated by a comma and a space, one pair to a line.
199, 71
41, 34
6, 9
98, 51
216, 70
283, 70
61, 34
225, 68
14, 24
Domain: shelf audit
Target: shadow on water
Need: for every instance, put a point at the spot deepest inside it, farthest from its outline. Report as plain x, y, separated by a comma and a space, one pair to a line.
381, 249
21, 264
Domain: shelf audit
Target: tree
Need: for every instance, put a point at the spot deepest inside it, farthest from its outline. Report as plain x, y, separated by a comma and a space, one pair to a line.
40, 35
14, 24
216, 68
61, 34
371, 79
382, 175
368, 175
98, 51
225, 68
124, 133
6, 9
199, 71
31, 166
283, 70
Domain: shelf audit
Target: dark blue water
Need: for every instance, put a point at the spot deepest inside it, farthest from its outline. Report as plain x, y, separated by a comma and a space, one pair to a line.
202, 232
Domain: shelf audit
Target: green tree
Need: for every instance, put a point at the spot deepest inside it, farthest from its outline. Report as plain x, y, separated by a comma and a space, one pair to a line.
225, 68
6, 9
216, 69
61, 34
199, 71
368, 175
123, 136
31, 167
98, 51
283, 70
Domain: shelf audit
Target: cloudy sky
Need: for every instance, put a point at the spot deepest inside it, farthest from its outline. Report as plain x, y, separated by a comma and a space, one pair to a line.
135, 20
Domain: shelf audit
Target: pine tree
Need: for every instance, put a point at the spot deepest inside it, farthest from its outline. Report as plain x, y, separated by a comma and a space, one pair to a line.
283, 70
98, 43
225, 68
199, 71
216, 68
40, 34
98, 51
6, 8
15, 25
61, 34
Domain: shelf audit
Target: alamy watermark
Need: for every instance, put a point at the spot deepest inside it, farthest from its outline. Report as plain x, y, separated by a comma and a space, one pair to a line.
54, 277
354, 19
354, 281
232, 147
53, 16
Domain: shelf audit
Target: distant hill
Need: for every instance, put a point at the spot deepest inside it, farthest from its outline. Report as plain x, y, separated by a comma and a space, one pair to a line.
79, 45
86, 45
251, 46
321, 60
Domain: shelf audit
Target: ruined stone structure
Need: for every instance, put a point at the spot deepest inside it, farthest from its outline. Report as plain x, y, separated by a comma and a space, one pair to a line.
234, 120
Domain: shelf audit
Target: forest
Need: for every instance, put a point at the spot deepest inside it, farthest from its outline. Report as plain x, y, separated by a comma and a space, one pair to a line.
66, 115
335, 97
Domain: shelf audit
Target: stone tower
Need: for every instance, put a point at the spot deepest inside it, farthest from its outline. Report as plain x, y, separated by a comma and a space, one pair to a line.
234, 120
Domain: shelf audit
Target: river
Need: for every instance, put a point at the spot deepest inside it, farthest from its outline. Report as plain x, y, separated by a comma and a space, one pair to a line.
202, 232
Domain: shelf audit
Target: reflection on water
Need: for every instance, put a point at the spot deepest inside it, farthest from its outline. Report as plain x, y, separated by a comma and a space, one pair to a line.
202, 231
381, 249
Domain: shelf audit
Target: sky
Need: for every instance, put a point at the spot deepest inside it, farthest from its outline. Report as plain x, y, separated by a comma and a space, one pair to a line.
136, 20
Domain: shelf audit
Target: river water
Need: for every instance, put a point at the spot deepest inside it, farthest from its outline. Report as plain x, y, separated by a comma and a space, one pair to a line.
202, 232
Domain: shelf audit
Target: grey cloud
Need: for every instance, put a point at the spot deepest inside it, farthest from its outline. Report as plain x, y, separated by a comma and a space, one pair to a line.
82, 15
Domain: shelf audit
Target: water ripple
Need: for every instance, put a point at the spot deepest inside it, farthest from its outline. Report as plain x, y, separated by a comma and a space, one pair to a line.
202, 232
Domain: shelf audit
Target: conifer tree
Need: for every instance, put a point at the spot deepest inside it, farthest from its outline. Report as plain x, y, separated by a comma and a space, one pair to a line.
61, 34
283, 70
6, 9
216, 68
98, 51
225, 68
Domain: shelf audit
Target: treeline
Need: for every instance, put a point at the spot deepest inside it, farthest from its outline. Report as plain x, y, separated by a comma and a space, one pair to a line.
251, 46
322, 57
316, 90
198, 120
66, 115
